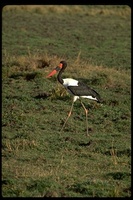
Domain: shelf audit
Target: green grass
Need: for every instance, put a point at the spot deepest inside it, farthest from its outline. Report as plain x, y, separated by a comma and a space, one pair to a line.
38, 160
99, 37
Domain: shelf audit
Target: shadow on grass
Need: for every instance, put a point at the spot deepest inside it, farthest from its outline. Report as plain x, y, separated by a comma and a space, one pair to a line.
42, 95
83, 144
119, 175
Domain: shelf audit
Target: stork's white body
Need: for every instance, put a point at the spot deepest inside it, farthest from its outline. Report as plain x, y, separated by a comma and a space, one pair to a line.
72, 82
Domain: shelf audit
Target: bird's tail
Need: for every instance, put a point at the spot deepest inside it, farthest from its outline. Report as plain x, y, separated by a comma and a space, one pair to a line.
98, 97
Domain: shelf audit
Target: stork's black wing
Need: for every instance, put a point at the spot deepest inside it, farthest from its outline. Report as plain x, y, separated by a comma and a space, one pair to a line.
84, 90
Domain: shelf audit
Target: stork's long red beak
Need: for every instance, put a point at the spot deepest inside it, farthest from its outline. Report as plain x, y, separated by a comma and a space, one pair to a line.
54, 71
51, 73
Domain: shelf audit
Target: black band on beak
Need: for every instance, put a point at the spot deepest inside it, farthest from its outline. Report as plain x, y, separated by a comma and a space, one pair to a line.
57, 68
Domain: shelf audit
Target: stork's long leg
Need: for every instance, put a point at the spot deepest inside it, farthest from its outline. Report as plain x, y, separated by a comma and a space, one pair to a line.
86, 113
69, 114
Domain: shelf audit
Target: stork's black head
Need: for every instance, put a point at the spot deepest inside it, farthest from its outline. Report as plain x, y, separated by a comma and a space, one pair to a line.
61, 67
64, 64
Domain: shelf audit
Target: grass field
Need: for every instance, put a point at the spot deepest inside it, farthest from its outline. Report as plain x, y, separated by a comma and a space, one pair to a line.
38, 160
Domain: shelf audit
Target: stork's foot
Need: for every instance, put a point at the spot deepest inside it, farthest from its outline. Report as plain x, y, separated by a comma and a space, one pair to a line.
87, 134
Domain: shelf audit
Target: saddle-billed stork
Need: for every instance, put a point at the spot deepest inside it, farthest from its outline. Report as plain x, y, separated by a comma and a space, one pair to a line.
76, 88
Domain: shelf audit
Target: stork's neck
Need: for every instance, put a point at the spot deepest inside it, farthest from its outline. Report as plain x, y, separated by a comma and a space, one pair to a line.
59, 76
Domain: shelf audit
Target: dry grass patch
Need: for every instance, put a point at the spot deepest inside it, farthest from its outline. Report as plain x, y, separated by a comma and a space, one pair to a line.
73, 9
42, 64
